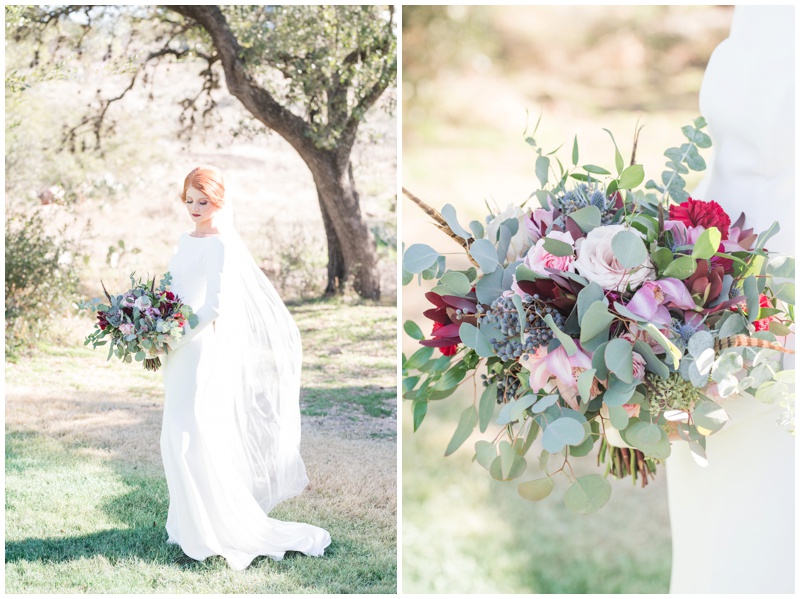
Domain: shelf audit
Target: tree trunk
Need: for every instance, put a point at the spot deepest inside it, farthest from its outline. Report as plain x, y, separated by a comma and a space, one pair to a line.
337, 273
351, 247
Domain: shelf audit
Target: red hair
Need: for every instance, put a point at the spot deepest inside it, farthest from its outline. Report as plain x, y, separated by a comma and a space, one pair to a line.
208, 180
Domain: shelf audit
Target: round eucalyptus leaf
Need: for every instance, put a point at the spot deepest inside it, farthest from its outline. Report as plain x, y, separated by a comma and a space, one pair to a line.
536, 490
562, 432
419, 257
517, 468
619, 359
709, 415
619, 417
588, 494
699, 342
583, 449
485, 453
629, 249
485, 254
453, 283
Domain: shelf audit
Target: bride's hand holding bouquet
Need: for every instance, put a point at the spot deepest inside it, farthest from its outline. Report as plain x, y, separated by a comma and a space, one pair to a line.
142, 323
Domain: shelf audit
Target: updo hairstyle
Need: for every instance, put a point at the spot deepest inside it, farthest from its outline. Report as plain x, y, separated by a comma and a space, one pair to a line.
208, 180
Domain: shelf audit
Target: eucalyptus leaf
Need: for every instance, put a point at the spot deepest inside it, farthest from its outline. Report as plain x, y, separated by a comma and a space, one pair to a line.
587, 218
485, 453
517, 468
514, 410
419, 257
486, 406
466, 424
619, 417
709, 415
490, 286
542, 169
536, 490
596, 321
485, 254
699, 342
562, 432
566, 340
587, 296
449, 214
588, 494
558, 248
419, 409
750, 289
629, 249
619, 359
544, 403
473, 338
453, 283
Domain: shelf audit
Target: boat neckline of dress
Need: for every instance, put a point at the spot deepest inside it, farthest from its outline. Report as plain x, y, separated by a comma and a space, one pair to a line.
203, 236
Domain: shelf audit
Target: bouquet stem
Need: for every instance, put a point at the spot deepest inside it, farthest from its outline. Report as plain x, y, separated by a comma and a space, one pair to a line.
152, 364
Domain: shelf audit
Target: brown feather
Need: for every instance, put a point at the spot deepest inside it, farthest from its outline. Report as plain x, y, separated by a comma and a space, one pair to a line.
440, 223
745, 341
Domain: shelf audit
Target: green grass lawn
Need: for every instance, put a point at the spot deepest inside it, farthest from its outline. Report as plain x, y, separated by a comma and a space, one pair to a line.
86, 498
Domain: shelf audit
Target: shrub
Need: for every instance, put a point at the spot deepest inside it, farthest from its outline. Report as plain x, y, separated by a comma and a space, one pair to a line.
40, 279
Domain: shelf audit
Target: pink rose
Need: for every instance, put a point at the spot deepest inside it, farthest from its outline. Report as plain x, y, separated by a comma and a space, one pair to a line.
632, 409
638, 366
538, 258
126, 329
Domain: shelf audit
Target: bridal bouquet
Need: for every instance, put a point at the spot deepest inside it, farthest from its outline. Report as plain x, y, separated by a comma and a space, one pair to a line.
610, 313
141, 322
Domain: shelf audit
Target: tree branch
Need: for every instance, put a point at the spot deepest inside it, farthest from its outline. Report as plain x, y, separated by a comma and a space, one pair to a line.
240, 83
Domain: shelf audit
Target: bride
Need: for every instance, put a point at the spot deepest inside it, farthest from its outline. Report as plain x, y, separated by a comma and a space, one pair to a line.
231, 430
733, 522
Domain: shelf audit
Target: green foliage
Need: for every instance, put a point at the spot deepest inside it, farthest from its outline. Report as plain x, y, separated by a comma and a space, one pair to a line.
327, 58
40, 278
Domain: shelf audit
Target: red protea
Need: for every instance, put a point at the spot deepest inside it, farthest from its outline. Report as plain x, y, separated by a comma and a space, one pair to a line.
697, 213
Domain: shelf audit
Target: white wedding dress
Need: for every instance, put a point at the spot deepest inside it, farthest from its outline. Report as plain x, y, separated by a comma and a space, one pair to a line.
733, 522
231, 429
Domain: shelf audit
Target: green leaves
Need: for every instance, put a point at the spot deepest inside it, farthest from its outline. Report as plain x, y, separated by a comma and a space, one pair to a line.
536, 490
466, 424
474, 338
542, 169
619, 359
419, 257
412, 330
588, 494
562, 432
707, 244
485, 254
557, 248
629, 249
631, 177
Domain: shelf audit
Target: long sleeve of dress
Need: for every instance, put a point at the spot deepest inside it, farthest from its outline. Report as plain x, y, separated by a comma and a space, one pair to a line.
208, 312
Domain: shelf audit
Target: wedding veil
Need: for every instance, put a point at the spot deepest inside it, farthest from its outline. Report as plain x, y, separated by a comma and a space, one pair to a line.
259, 366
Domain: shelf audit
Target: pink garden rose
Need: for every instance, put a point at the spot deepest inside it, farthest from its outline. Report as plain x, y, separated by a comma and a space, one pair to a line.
126, 329
596, 261
538, 258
